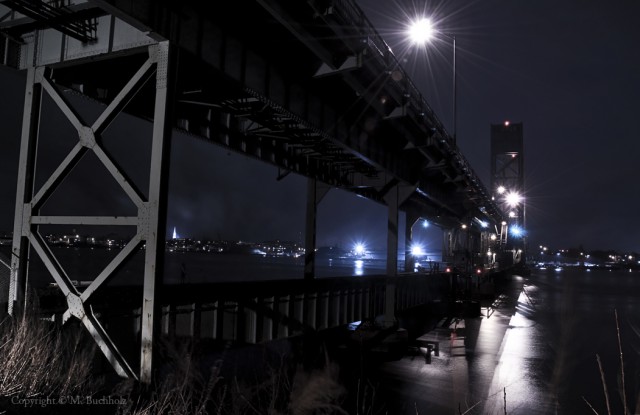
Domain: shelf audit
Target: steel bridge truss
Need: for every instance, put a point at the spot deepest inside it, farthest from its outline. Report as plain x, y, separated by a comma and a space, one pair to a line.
151, 210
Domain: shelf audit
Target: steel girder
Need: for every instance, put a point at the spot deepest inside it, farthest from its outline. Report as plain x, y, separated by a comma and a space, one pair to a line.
319, 47
77, 21
149, 222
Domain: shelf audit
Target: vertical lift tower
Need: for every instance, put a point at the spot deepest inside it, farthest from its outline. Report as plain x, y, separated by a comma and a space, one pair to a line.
507, 184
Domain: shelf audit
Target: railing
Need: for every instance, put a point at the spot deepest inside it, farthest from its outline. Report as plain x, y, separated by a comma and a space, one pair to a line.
260, 311
353, 16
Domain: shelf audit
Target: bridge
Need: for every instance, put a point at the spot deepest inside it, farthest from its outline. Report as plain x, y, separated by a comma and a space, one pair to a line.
309, 87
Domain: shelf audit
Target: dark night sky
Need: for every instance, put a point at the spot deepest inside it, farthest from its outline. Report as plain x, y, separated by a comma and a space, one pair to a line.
569, 71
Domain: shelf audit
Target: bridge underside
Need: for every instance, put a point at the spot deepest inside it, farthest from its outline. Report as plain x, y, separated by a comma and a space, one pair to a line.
318, 94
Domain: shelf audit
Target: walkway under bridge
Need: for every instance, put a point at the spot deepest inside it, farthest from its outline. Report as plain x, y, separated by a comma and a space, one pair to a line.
320, 94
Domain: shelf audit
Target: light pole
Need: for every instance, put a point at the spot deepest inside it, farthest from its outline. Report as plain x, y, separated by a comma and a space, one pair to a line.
421, 32
455, 109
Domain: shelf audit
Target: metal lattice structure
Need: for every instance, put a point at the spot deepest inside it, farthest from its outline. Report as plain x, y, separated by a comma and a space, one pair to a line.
507, 170
149, 221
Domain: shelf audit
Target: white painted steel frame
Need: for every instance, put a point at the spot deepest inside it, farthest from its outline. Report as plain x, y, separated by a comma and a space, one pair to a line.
149, 221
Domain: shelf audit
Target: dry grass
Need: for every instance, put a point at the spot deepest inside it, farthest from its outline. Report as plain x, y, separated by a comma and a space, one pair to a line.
621, 380
317, 392
36, 359
183, 387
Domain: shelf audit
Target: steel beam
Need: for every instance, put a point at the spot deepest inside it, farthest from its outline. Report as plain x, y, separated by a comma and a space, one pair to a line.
78, 309
315, 194
155, 215
151, 211
394, 197
24, 192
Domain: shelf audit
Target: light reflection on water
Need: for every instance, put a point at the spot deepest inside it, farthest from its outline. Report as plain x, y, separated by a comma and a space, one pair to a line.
547, 357
513, 381
536, 351
358, 269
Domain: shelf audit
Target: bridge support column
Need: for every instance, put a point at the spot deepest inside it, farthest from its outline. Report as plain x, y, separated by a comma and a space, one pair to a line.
411, 219
396, 195
315, 193
151, 209
24, 193
157, 202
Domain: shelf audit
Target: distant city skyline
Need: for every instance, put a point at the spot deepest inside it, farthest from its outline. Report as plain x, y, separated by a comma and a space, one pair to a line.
76, 237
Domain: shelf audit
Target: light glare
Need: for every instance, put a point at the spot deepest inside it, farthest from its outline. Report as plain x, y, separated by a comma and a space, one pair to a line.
513, 198
515, 230
417, 250
421, 31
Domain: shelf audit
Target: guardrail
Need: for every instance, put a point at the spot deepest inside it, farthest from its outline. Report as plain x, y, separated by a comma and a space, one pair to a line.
354, 17
259, 311
292, 308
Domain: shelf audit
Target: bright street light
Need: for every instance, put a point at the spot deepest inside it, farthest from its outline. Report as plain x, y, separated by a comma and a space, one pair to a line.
421, 31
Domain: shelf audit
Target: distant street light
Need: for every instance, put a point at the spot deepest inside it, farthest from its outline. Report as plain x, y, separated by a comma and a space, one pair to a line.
417, 250
513, 199
516, 230
421, 31
359, 249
